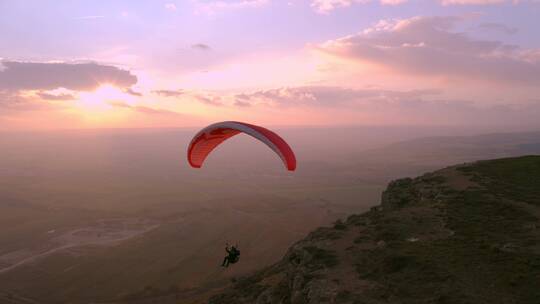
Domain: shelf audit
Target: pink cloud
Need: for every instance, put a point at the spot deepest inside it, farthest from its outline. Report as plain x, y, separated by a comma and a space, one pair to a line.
170, 93
393, 2
327, 96
210, 100
472, 2
11, 103
62, 96
144, 109
214, 6
428, 46
381, 106
325, 6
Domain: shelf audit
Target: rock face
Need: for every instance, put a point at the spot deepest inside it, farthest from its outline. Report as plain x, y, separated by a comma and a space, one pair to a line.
452, 236
398, 194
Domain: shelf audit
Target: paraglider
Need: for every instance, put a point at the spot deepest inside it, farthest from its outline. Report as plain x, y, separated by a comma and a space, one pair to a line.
233, 255
212, 136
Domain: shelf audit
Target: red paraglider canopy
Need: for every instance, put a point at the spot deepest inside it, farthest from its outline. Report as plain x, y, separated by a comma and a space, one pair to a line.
212, 136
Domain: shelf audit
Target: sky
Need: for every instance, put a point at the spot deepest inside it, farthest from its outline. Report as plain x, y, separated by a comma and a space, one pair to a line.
68, 64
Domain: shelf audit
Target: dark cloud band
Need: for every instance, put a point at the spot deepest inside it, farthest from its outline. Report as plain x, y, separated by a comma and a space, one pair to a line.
17, 76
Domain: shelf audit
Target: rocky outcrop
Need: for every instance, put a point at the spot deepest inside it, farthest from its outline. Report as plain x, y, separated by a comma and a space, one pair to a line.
399, 193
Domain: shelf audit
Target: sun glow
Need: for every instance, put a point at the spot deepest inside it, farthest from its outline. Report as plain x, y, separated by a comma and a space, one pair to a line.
101, 99
98, 108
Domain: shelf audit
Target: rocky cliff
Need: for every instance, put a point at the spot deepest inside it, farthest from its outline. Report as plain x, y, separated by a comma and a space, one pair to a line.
464, 234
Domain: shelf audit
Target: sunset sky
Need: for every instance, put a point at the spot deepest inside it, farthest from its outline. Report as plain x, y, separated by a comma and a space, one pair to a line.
130, 64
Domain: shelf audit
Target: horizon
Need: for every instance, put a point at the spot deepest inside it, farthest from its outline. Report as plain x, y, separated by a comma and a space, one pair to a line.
477, 129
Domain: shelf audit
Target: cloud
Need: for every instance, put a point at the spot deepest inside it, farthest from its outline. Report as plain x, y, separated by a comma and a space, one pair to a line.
132, 92
498, 27
212, 7
48, 96
390, 106
170, 6
242, 104
8, 100
325, 6
393, 2
209, 100
143, 109
169, 93
326, 96
201, 47
428, 46
11, 103
73, 76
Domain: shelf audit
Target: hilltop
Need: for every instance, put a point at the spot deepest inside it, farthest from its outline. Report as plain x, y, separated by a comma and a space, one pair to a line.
463, 234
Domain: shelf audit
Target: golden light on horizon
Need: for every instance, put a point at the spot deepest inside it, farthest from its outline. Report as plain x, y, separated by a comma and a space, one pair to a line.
101, 98
97, 108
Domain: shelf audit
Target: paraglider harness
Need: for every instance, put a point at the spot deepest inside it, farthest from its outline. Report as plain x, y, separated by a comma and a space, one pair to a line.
232, 257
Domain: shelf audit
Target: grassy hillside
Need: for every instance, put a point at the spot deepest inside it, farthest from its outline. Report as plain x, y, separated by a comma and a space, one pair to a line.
464, 234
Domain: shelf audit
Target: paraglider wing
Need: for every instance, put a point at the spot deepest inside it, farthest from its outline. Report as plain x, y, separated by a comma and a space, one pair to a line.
212, 136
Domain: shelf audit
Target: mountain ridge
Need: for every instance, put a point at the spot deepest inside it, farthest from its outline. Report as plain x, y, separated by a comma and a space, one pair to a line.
463, 234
